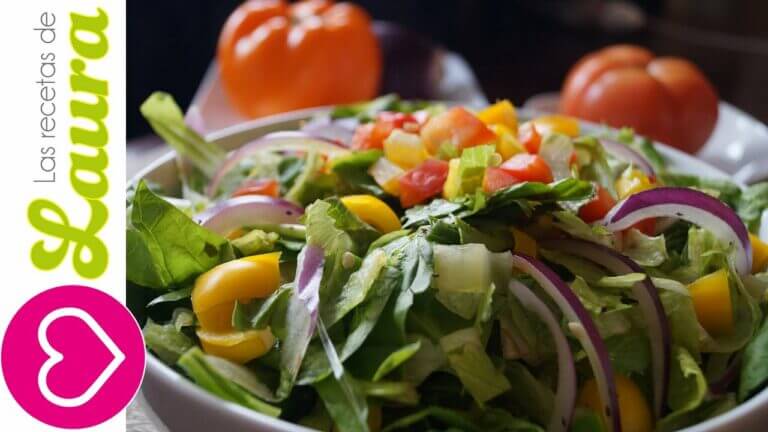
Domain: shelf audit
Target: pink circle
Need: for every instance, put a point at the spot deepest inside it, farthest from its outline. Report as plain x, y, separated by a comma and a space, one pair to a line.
76, 402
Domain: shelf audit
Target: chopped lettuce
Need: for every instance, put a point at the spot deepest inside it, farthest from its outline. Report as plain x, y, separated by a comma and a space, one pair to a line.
468, 359
313, 183
472, 165
648, 251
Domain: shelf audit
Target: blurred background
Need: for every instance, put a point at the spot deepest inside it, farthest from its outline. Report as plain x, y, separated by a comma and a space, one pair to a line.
516, 48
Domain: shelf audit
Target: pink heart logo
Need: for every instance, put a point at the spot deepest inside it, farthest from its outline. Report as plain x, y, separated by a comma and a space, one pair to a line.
73, 357
55, 357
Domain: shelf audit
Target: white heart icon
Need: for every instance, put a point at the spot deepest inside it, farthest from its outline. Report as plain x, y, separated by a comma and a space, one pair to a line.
55, 357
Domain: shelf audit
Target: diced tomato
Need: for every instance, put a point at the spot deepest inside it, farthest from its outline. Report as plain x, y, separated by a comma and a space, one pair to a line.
423, 182
598, 207
530, 137
372, 135
363, 138
646, 226
456, 127
497, 178
268, 187
528, 167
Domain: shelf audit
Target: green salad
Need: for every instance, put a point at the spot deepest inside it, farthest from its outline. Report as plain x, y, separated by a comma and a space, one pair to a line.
403, 265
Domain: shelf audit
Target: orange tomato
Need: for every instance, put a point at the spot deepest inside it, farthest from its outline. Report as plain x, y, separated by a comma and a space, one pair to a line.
667, 99
457, 128
528, 167
598, 207
268, 187
276, 56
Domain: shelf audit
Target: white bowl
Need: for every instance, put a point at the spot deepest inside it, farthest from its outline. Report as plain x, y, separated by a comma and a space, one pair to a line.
183, 406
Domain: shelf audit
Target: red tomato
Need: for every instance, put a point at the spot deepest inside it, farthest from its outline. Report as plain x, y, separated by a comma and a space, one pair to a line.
598, 207
647, 226
457, 127
423, 182
529, 137
667, 99
497, 178
528, 167
268, 187
372, 135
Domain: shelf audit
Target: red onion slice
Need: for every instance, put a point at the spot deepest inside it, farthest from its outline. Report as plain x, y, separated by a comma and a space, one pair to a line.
565, 397
626, 153
278, 141
690, 205
303, 310
648, 299
583, 328
339, 131
241, 211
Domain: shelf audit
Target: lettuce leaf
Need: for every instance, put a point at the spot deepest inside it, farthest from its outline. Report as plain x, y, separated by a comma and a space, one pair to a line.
754, 366
472, 165
345, 401
166, 341
167, 120
312, 183
468, 359
648, 251
165, 248
199, 368
337, 231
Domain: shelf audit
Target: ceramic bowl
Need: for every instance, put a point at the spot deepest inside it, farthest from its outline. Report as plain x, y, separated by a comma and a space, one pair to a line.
183, 406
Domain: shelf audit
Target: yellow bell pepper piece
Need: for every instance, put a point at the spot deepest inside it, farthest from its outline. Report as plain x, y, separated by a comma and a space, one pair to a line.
404, 149
452, 185
759, 254
502, 112
711, 296
632, 181
524, 244
372, 211
215, 291
506, 142
387, 175
557, 123
634, 409
237, 346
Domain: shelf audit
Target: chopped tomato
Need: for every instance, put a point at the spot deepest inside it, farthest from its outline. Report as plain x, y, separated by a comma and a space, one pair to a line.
598, 207
646, 226
372, 135
456, 127
497, 178
268, 187
528, 167
530, 137
423, 182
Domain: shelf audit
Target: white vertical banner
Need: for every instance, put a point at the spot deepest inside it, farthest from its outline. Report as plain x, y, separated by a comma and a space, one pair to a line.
62, 168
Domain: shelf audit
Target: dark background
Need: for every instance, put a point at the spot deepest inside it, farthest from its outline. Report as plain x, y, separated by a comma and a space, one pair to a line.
516, 48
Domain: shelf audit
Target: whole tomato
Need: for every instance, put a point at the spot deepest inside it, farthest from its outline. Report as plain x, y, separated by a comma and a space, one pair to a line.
275, 56
665, 98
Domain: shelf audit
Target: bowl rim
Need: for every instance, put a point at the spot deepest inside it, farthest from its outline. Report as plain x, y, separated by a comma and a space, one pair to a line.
169, 376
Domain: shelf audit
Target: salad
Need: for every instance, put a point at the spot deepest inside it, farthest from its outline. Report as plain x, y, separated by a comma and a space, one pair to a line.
400, 265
